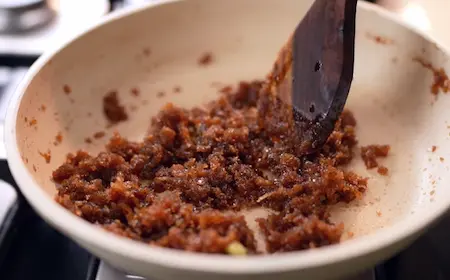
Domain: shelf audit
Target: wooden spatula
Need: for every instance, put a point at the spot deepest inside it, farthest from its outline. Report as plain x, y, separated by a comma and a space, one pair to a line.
314, 70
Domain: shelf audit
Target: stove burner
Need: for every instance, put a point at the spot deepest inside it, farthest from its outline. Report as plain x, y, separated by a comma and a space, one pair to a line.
65, 18
18, 16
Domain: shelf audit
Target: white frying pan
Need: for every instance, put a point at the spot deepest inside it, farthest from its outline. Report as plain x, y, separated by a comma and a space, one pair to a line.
390, 97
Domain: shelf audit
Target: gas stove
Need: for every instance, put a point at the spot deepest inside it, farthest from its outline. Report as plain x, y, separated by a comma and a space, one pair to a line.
29, 248
29, 27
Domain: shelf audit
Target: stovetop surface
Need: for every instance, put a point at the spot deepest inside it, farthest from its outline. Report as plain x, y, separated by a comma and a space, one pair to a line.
30, 249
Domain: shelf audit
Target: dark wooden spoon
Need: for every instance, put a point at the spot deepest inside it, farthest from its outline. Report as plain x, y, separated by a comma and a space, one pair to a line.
314, 70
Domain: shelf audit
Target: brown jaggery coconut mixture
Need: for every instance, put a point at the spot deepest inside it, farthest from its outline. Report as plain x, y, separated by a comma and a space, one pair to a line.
112, 109
370, 154
182, 187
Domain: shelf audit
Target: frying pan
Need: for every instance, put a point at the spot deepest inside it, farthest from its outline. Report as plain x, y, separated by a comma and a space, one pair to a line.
157, 47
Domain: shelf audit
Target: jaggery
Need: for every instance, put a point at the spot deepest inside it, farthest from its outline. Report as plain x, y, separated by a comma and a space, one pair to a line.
183, 186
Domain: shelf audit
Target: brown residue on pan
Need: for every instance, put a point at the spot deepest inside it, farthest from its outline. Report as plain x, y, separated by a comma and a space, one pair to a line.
144, 102
226, 89
42, 108
26, 160
147, 51
382, 170
442, 159
383, 40
380, 39
133, 108
394, 60
177, 89
135, 91
379, 214
33, 122
67, 89
441, 81
433, 149
160, 94
87, 140
34, 168
112, 109
47, 156
58, 139
99, 134
370, 154
206, 59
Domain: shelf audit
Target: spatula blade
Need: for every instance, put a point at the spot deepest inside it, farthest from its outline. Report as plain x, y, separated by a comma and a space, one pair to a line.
314, 70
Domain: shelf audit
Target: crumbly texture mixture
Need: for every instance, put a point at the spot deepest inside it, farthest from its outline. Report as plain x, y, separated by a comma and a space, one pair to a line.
47, 156
206, 59
382, 170
441, 82
67, 89
182, 187
114, 112
370, 154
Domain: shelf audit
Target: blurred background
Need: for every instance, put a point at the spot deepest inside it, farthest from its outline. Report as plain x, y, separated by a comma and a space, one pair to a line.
29, 27
30, 249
